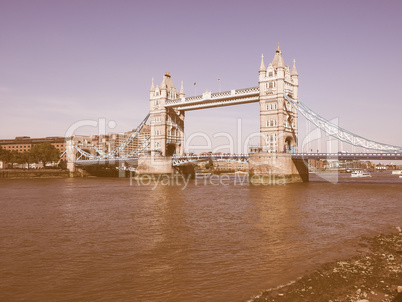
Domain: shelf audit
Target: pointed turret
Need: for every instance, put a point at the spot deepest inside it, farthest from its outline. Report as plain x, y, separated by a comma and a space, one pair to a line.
294, 70
152, 86
262, 66
262, 71
295, 80
182, 90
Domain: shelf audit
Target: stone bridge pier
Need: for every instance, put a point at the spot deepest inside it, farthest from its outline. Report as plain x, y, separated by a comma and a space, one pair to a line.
276, 168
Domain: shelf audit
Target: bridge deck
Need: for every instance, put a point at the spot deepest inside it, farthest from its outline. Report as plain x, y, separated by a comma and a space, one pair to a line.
105, 162
219, 99
183, 160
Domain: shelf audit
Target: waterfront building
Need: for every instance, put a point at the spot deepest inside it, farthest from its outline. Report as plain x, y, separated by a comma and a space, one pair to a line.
24, 143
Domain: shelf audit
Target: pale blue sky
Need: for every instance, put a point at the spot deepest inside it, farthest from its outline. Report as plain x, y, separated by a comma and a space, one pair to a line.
64, 61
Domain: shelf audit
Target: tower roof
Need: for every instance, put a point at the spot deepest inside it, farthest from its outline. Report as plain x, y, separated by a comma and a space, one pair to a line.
278, 59
167, 82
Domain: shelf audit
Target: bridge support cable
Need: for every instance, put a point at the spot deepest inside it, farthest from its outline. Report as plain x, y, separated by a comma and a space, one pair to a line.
84, 153
116, 151
100, 152
63, 153
129, 139
338, 132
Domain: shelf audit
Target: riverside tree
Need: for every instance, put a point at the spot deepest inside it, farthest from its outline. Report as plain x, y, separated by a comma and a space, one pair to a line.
45, 153
25, 158
5, 155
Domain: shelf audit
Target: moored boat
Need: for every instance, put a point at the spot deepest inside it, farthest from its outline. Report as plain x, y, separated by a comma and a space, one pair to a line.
360, 173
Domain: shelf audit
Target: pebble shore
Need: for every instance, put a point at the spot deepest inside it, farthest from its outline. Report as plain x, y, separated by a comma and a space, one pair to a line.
374, 275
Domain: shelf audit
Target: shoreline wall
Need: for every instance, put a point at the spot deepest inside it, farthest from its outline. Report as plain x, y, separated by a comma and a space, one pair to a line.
28, 174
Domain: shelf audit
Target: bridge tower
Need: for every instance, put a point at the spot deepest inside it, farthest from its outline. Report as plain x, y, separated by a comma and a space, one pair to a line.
167, 124
278, 119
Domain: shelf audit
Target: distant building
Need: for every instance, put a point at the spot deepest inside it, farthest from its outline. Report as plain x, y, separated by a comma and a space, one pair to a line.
24, 143
104, 143
224, 165
109, 142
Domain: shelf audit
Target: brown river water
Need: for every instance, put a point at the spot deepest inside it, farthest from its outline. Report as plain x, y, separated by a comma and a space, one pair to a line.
97, 239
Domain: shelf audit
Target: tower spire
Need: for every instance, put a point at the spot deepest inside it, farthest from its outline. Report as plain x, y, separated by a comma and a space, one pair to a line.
262, 66
182, 90
278, 49
294, 70
152, 85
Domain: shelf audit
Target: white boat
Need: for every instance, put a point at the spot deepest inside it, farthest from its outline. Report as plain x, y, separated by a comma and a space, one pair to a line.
397, 172
202, 174
360, 173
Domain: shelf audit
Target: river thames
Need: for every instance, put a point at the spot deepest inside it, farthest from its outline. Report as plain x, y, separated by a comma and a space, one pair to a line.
94, 239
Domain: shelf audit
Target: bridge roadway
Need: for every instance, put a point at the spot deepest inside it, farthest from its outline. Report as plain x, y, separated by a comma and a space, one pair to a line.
183, 160
133, 161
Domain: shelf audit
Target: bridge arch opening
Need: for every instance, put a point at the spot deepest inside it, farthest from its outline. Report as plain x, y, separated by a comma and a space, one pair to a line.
290, 145
170, 149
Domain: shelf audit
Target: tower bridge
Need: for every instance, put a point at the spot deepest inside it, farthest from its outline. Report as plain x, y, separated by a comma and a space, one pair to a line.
277, 95
278, 120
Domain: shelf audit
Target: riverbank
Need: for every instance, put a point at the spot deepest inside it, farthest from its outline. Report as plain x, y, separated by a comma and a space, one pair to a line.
36, 173
372, 276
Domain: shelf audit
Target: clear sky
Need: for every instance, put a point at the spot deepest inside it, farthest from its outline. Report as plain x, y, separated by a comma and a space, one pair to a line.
64, 61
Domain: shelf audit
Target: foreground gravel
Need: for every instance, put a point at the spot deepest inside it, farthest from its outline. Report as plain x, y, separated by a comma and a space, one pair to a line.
372, 276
